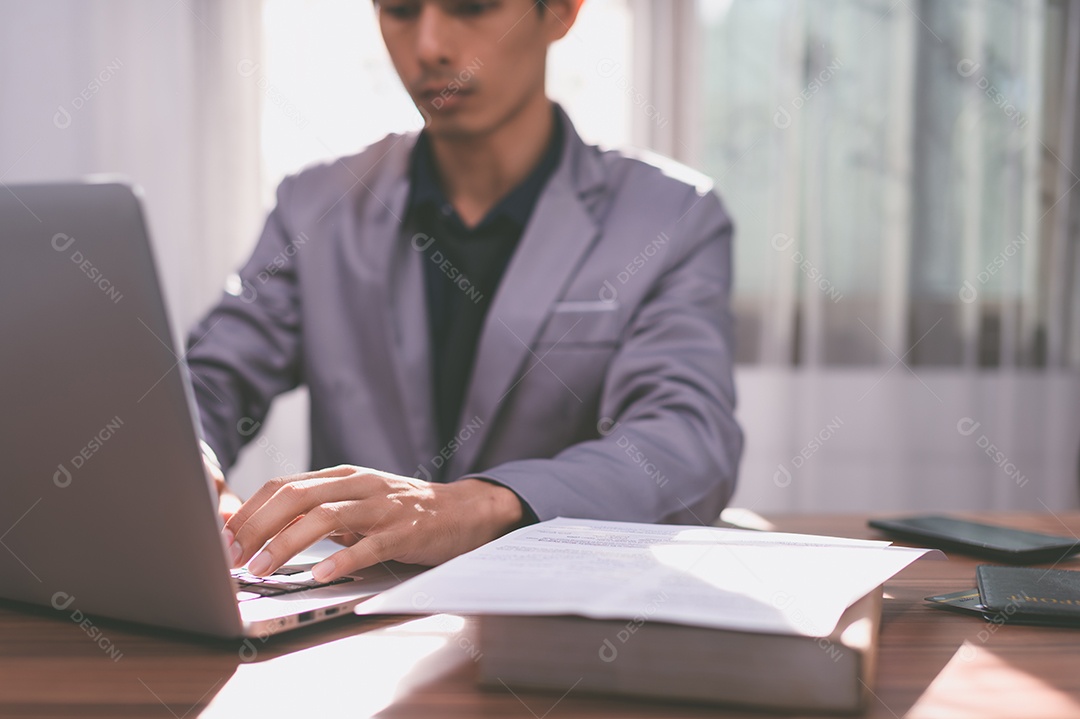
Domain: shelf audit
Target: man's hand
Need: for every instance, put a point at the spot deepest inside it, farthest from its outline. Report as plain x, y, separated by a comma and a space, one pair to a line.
228, 503
383, 515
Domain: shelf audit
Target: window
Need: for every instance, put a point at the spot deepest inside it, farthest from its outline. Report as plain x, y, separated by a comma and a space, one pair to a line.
894, 170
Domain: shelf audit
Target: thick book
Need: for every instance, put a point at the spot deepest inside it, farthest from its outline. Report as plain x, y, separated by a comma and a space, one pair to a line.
668, 611
659, 660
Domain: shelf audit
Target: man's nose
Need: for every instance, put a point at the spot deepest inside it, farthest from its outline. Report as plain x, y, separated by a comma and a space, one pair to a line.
434, 36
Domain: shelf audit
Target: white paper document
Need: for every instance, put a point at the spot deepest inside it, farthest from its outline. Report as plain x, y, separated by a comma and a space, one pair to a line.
701, 576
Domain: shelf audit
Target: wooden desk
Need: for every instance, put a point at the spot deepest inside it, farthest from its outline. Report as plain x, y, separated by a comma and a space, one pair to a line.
932, 663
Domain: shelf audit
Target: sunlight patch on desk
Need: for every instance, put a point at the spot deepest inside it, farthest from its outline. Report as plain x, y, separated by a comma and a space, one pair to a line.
978, 683
747, 519
364, 673
440, 623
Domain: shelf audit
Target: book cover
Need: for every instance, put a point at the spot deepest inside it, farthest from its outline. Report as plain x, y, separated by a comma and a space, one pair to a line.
1030, 593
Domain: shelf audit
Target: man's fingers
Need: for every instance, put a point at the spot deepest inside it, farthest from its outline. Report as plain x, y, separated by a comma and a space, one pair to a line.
372, 549
265, 492
295, 538
286, 503
254, 502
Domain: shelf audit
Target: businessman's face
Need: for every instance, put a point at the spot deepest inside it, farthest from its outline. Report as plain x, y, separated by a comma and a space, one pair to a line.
471, 66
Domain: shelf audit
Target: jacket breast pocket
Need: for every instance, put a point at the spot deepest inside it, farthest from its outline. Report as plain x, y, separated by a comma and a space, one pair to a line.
582, 324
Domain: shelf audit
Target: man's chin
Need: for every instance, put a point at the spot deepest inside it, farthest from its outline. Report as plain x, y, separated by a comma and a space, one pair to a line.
455, 129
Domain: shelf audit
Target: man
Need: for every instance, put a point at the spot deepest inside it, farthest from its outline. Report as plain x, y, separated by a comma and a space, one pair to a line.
533, 326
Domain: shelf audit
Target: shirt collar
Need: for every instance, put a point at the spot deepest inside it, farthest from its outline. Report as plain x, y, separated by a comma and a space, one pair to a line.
515, 205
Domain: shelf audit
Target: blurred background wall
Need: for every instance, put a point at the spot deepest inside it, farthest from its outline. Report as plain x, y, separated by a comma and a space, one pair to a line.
903, 177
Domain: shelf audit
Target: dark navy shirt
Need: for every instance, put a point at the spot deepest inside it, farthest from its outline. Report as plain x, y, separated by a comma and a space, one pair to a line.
464, 266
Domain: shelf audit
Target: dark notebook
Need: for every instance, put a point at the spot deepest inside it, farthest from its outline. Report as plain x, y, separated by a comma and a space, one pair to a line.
1049, 596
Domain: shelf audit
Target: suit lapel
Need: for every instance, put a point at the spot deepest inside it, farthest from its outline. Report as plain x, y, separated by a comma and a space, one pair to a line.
558, 235
400, 305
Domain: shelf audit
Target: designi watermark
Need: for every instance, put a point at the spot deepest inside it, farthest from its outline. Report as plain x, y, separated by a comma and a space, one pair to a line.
62, 243
247, 426
967, 427
782, 243
448, 268
246, 290
782, 118
994, 621
457, 84
786, 603
608, 650
609, 293
247, 68
968, 292
611, 70
607, 426
470, 428
61, 601
62, 117
782, 476
968, 68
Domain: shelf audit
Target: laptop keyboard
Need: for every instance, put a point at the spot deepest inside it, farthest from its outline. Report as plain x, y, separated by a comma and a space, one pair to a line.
285, 580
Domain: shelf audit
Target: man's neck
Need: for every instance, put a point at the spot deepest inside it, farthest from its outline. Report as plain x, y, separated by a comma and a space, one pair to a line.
477, 172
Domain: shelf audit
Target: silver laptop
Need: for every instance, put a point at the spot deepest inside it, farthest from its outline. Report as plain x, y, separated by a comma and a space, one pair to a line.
105, 506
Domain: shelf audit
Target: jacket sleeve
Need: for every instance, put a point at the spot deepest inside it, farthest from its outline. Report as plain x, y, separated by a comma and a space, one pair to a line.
668, 446
246, 351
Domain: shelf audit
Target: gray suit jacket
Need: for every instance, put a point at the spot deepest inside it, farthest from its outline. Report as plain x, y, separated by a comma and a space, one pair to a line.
603, 378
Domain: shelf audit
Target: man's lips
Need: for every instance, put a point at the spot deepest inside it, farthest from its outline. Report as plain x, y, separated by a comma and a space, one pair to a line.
443, 98
443, 91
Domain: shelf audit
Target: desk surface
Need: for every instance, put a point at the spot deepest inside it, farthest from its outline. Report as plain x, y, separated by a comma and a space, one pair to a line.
932, 663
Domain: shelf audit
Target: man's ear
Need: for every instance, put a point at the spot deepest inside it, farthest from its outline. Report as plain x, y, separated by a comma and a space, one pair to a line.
560, 16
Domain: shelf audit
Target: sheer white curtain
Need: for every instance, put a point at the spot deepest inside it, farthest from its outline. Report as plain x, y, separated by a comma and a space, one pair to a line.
903, 178
147, 89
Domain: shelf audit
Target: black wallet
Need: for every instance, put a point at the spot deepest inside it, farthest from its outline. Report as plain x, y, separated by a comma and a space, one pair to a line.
1029, 595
